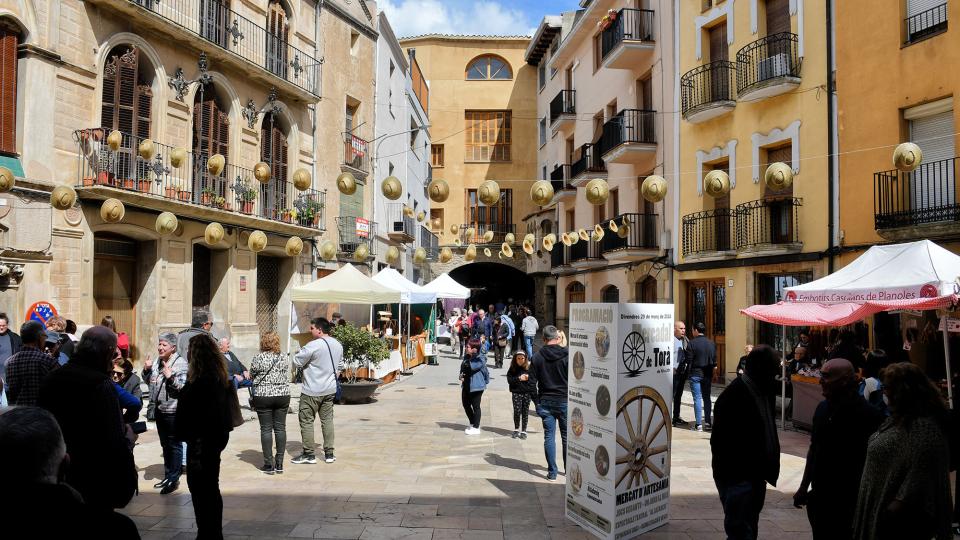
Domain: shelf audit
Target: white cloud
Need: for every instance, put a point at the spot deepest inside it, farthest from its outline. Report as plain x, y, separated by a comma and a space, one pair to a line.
487, 17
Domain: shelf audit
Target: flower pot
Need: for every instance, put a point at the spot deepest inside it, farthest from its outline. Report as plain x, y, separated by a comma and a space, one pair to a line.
360, 391
206, 198
129, 183
183, 195
316, 220
246, 207
143, 185
227, 206
170, 192
87, 182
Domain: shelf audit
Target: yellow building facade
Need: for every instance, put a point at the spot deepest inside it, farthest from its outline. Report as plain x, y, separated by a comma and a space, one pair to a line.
753, 91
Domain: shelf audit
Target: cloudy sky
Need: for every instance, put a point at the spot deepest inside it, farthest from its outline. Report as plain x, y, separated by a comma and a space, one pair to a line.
487, 17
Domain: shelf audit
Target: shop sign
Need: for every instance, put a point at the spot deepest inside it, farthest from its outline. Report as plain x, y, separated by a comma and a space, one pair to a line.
952, 325
619, 418
243, 283
363, 228
41, 312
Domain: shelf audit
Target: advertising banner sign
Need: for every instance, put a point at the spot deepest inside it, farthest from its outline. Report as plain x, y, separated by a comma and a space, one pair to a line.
363, 228
619, 419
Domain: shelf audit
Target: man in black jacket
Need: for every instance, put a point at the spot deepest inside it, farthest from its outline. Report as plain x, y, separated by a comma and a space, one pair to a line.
702, 354
10, 344
550, 369
681, 367
83, 399
35, 503
744, 443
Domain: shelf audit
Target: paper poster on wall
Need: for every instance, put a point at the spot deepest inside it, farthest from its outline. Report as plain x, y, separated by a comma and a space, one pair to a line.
619, 433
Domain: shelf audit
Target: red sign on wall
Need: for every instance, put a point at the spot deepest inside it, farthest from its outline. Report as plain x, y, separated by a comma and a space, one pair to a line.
41, 312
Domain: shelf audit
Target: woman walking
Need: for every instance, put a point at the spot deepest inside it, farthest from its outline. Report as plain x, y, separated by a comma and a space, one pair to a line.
522, 387
502, 333
905, 488
474, 378
269, 372
204, 421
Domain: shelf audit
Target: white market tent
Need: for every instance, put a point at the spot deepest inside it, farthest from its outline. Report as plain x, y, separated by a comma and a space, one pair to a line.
410, 292
346, 286
446, 287
915, 275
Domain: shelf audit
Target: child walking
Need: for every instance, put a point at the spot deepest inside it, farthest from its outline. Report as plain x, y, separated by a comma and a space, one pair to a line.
523, 387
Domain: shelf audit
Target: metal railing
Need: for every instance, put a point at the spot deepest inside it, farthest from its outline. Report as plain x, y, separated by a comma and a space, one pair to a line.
590, 160
565, 102
707, 84
400, 223
629, 126
213, 21
560, 178
642, 233
429, 241
499, 232
557, 256
630, 25
926, 195
235, 189
926, 23
770, 57
353, 232
771, 221
707, 231
356, 153
584, 251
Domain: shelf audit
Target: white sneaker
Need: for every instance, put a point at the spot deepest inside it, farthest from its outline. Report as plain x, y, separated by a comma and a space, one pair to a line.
473, 431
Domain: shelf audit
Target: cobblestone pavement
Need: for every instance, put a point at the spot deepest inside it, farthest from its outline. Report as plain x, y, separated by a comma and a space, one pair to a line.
405, 469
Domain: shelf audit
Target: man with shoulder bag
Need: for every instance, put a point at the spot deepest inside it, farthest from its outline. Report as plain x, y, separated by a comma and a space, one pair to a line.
318, 361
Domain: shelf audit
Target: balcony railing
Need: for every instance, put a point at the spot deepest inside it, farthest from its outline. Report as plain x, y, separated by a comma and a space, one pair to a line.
233, 190
557, 256
708, 231
499, 232
213, 21
353, 232
705, 85
560, 178
590, 160
642, 233
429, 242
629, 126
400, 224
564, 103
356, 153
773, 221
768, 58
925, 196
630, 25
585, 251
926, 23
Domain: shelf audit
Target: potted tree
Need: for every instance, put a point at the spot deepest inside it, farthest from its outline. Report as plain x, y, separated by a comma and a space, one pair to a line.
361, 349
246, 196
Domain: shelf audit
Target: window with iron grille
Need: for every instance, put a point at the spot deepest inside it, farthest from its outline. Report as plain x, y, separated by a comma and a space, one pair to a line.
488, 136
9, 40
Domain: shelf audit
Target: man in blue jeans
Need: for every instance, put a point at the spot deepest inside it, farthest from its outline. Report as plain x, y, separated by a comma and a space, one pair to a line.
550, 368
529, 327
702, 354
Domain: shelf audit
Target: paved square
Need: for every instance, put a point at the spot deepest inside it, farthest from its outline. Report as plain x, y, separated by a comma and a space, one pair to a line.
405, 469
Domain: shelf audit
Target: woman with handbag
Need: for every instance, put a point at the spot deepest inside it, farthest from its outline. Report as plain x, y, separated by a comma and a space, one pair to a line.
271, 398
502, 332
205, 417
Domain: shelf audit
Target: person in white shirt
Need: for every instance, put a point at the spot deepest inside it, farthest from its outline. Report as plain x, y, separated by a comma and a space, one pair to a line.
319, 361
529, 327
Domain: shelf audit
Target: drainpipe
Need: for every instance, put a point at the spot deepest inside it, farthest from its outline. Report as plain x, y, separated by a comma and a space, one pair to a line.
374, 158
831, 178
675, 233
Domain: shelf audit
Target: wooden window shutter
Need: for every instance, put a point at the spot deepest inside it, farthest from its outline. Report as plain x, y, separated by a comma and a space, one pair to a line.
144, 100
222, 138
8, 90
126, 100
778, 16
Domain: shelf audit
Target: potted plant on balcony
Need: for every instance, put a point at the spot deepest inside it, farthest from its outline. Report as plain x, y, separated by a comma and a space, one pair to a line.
171, 189
245, 196
219, 202
309, 212
361, 349
182, 193
289, 215
207, 197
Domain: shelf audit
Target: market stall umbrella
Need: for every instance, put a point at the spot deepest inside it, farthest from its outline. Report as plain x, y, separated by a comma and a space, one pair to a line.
346, 286
410, 292
446, 287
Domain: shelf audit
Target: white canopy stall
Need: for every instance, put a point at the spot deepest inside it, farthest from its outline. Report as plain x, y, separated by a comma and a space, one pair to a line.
410, 293
446, 287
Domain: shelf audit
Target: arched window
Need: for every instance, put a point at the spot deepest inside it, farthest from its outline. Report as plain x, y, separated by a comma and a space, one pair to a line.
576, 293
546, 227
645, 290
126, 104
278, 28
273, 151
610, 294
9, 40
489, 68
211, 135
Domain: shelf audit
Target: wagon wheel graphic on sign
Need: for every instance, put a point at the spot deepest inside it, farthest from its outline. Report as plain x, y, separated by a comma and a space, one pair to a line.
634, 351
643, 453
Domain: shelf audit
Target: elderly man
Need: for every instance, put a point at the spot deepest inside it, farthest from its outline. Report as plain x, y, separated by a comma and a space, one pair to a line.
842, 425
84, 401
681, 367
27, 368
35, 500
235, 368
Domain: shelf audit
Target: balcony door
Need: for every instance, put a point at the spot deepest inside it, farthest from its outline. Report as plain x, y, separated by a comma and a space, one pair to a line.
779, 55
778, 16
211, 135
707, 303
780, 203
719, 52
278, 28
497, 218
273, 152
932, 184
126, 106
214, 21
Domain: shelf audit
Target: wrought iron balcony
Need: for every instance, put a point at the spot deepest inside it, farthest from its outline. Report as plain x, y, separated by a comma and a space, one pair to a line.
590, 161
353, 232
771, 223
356, 154
215, 22
558, 256
500, 231
768, 67
233, 196
430, 242
560, 180
926, 23
585, 254
563, 108
708, 233
926, 197
401, 227
628, 38
630, 136
641, 240
707, 91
